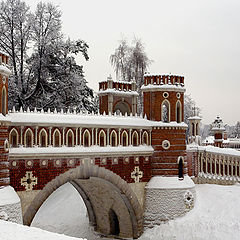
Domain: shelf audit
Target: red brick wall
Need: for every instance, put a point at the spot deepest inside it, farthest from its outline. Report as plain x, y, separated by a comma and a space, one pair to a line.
51, 170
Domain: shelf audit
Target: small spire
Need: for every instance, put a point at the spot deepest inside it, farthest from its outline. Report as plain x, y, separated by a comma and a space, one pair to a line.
21, 109
35, 110
145, 116
55, 110
13, 109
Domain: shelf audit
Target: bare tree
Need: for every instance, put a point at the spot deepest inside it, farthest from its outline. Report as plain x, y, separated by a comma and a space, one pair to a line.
15, 34
130, 63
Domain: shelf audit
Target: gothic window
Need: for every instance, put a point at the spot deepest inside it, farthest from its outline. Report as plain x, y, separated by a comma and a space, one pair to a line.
102, 139
145, 138
86, 138
70, 138
124, 138
13, 138
43, 138
165, 111
178, 112
135, 139
113, 138
28, 138
193, 129
4, 101
56, 138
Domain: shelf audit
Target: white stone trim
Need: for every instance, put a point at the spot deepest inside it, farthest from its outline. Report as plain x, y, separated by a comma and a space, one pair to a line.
25, 137
70, 131
99, 138
89, 138
10, 136
116, 138
60, 137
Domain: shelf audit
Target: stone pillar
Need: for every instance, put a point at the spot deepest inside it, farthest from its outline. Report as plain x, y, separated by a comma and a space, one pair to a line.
36, 136
50, 136
63, 144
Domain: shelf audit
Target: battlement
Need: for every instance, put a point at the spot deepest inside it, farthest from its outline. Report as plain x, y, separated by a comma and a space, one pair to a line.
4, 58
163, 80
117, 85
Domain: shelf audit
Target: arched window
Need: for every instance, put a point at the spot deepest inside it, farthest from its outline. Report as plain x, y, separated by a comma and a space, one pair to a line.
193, 129
145, 138
122, 107
102, 139
86, 138
124, 138
165, 111
56, 138
196, 129
114, 223
178, 112
43, 139
180, 167
4, 101
13, 138
28, 138
135, 138
113, 138
70, 138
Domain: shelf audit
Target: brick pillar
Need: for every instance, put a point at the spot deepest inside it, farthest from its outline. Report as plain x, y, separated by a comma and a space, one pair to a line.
4, 162
168, 144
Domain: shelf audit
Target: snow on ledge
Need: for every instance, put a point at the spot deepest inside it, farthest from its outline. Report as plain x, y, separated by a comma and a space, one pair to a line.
5, 70
164, 87
118, 92
10, 231
81, 150
8, 196
159, 182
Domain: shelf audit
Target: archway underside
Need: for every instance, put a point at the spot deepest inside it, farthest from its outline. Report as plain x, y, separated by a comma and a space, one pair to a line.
112, 206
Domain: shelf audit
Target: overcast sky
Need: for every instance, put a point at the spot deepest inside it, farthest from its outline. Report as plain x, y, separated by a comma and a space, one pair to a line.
197, 39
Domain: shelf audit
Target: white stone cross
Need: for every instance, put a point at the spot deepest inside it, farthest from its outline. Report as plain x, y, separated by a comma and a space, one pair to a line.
136, 174
28, 181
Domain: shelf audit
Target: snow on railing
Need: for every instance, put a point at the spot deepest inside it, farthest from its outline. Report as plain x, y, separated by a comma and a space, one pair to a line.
74, 112
216, 165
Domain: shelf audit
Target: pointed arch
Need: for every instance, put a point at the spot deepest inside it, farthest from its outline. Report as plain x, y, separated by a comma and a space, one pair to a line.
13, 136
43, 138
70, 138
178, 111
165, 111
113, 138
86, 138
145, 138
56, 138
102, 139
180, 162
4, 101
124, 138
28, 138
135, 138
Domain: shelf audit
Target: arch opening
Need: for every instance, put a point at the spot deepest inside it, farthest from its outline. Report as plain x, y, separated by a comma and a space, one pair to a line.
117, 209
180, 168
56, 138
114, 223
165, 111
13, 138
4, 101
122, 107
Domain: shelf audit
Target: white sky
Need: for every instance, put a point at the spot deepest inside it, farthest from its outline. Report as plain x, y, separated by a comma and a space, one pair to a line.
198, 39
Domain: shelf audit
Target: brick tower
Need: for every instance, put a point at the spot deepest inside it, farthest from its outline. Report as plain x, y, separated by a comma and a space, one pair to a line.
170, 192
4, 120
117, 97
163, 103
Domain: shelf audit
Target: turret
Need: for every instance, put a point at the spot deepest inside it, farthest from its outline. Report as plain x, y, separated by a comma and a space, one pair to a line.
117, 96
4, 120
218, 129
194, 127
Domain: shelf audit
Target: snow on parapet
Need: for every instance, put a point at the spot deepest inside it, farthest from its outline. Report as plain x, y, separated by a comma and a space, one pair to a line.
163, 82
72, 118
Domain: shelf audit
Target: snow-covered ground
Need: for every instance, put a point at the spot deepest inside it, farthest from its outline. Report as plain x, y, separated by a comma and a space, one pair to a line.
14, 231
215, 216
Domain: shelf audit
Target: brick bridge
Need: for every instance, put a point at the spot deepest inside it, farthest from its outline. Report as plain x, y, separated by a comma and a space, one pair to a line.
108, 157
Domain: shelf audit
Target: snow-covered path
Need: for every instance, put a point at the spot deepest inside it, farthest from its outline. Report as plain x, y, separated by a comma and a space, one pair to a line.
215, 216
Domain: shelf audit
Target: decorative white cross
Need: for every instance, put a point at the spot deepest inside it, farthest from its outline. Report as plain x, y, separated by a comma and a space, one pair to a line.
28, 181
136, 174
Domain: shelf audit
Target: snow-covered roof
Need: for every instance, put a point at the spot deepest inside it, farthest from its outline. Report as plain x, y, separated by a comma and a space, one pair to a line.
118, 92
86, 120
4, 70
8, 196
4, 53
81, 150
195, 118
164, 87
160, 182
